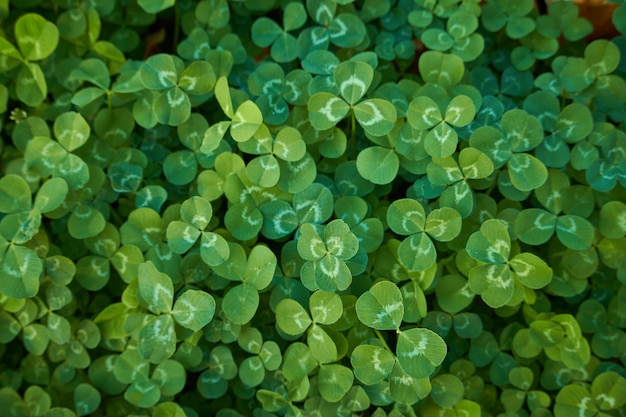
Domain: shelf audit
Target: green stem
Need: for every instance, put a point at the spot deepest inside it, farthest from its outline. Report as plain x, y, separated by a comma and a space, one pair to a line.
352, 136
383, 341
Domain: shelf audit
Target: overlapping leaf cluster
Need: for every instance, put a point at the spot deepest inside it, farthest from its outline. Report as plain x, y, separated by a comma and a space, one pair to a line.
311, 208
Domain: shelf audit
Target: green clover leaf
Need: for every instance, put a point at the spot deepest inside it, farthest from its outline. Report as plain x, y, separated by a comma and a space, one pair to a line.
326, 257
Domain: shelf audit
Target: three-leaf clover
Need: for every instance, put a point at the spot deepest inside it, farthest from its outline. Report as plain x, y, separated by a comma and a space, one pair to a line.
497, 278
536, 226
283, 45
521, 132
56, 158
254, 273
193, 309
472, 164
196, 214
353, 78
407, 217
326, 256
36, 39
326, 308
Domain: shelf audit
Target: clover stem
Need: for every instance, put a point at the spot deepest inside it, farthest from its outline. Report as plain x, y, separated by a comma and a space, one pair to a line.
352, 136
382, 340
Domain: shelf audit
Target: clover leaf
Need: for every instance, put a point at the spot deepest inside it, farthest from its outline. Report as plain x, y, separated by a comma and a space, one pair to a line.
376, 116
536, 226
276, 92
196, 214
267, 33
472, 165
255, 274
326, 256
407, 217
520, 133
496, 278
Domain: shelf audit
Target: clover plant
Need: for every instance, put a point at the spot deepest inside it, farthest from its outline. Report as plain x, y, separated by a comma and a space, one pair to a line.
312, 208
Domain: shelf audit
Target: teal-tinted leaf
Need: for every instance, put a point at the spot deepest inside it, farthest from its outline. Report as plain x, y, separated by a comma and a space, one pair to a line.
125, 177
194, 309
251, 371
292, 318
406, 216
21, 269
36, 37
265, 31
420, 351
279, 219
531, 270
294, 16
157, 339
353, 79
371, 364
347, 30
376, 116
494, 283
491, 244
14, 194
575, 232
180, 167
155, 288
326, 110
86, 399
381, 306
334, 381
240, 303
